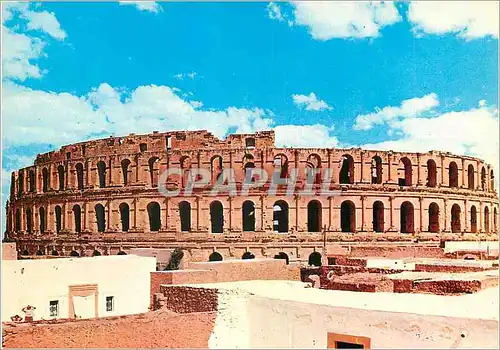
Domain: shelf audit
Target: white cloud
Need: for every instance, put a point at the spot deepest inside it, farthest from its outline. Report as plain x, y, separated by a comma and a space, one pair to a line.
306, 136
467, 19
310, 102
338, 19
149, 6
408, 109
190, 75
19, 50
473, 132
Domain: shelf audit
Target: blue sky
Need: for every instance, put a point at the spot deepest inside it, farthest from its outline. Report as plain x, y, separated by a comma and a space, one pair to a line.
406, 76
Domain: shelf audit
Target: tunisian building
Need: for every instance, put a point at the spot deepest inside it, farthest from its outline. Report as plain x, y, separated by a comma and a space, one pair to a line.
101, 197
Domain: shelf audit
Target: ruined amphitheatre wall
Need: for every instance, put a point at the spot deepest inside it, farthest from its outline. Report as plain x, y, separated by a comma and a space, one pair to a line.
76, 200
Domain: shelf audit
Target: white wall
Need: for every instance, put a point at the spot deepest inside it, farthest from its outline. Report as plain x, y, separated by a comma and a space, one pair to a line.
37, 282
453, 246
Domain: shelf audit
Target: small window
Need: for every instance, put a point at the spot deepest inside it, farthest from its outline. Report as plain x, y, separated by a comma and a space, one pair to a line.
143, 147
250, 142
54, 308
344, 341
110, 304
68, 155
83, 150
169, 142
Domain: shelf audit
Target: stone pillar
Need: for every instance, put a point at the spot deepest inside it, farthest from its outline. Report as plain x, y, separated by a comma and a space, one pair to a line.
230, 201
108, 215
37, 180
261, 213
463, 184
297, 197
446, 228
23, 218
167, 225
467, 223
134, 204
419, 177
442, 182
34, 220
50, 219
480, 219
111, 163
64, 216
391, 218
336, 170
88, 176
198, 210
330, 209
363, 216
421, 200
86, 226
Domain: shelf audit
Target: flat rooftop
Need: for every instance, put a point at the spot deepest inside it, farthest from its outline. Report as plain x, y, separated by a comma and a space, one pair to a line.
481, 305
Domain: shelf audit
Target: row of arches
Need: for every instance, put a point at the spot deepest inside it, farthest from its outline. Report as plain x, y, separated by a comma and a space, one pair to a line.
314, 259
280, 217
281, 164
73, 253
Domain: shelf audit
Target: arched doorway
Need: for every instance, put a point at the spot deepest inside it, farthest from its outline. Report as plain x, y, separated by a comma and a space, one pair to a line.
125, 216
455, 218
470, 177
248, 214
101, 170
41, 217
453, 175
60, 173
96, 253
407, 218
74, 254
217, 217
280, 216
185, 215
100, 218
79, 175
215, 257
77, 217
314, 216
376, 170
346, 175
378, 216
247, 255
125, 164
315, 259
473, 219
58, 213
29, 220
54, 253
154, 214
433, 218
121, 252
348, 216
282, 255
486, 219
405, 171
431, 173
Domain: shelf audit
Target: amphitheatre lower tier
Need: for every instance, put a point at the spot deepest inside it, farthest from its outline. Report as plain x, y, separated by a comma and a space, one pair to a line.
105, 197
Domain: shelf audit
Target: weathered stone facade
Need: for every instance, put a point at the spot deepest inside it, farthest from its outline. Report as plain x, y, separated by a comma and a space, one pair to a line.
101, 197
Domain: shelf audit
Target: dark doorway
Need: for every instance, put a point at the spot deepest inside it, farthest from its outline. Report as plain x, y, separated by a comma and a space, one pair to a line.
486, 219
315, 259
58, 212
247, 255
125, 216
280, 216
455, 219
41, 216
348, 216
217, 217
60, 172
29, 221
346, 345
378, 216
473, 219
346, 175
74, 254
125, 164
185, 215
100, 218
77, 215
45, 180
376, 170
405, 170
121, 252
314, 216
453, 175
470, 177
433, 218
79, 176
96, 253
407, 218
101, 170
431, 173
215, 257
248, 213
154, 214
282, 255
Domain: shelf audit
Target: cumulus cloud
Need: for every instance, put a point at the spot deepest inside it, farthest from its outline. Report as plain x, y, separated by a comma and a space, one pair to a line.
467, 19
310, 102
149, 6
339, 19
316, 135
408, 109
20, 50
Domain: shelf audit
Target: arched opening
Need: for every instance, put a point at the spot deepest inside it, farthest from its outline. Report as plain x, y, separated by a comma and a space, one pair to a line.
125, 216
247, 255
215, 257
20, 183
280, 216
455, 218
41, 217
100, 218
248, 213
154, 214
25, 252
153, 171
29, 221
378, 216
217, 217
486, 219
315, 259
495, 220
60, 173
376, 170
216, 168
313, 169
45, 180
492, 180
185, 214
405, 172
473, 219
433, 218
282, 255
185, 163
453, 175
314, 216
74, 254
77, 216
39, 252
483, 179
79, 175
32, 181
17, 225
248, 162
96, 253
101, 170
348, 216
407, 216
281, 165
54, 253
470, 177
125, 164
58, 212
121, 252
346, 175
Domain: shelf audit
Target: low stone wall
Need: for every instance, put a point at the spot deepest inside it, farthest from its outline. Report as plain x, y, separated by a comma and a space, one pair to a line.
181, 299
397, 252
449, 268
